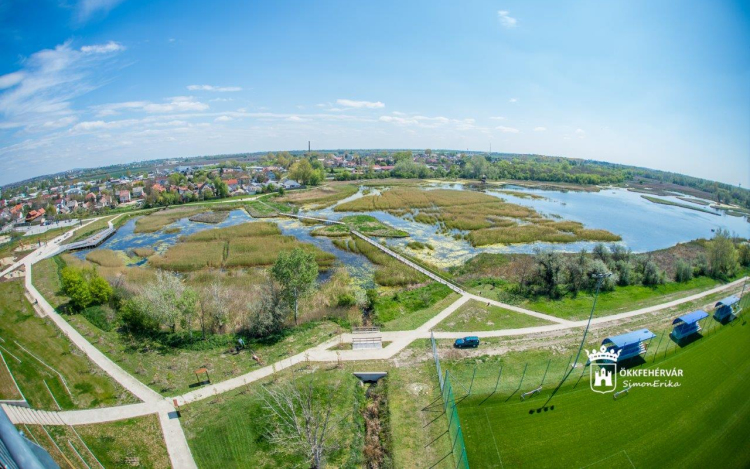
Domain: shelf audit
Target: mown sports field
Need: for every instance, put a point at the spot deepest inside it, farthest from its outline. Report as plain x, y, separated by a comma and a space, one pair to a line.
703, 423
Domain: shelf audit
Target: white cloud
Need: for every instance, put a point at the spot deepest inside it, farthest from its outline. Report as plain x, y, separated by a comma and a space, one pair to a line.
580, 132
10, 79
174, 104
42, 90
223, 119
107, 48
506, 130
497, 118
540, 129
219, 89
360, 104
506, 20
513, 100
86, 9
59, 123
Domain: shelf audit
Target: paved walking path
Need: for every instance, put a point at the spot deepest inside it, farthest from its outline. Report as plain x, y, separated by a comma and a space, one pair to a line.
176, 443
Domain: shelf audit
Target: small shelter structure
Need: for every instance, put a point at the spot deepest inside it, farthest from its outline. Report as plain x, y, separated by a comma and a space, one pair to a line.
688, 324
630, 344
727, 309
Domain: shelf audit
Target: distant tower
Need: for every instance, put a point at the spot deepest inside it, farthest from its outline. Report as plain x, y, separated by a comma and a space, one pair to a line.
308, 146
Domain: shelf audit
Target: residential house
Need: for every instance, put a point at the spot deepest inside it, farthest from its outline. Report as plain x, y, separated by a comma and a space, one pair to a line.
124, 196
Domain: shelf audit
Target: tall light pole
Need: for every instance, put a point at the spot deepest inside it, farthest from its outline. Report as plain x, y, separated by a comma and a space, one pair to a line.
599, 278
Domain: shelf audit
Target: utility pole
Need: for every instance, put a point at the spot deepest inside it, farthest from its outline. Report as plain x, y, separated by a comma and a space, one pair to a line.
599, 278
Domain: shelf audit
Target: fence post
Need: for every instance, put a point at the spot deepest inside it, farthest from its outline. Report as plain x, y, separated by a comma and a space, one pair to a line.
498, 379
545, 372
522, 376
472, 380
657, 346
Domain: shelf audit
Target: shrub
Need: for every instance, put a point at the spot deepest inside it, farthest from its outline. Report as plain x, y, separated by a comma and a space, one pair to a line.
346, 300
652, 276
683, 271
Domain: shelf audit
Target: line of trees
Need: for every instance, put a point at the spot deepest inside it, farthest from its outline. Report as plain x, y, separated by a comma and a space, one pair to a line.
554, 275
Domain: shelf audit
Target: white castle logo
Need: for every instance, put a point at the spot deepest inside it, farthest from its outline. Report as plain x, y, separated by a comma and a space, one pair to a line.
603, 354
603, 380
603, 375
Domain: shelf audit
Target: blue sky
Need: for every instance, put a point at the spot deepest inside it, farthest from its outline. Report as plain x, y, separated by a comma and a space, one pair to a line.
93, 82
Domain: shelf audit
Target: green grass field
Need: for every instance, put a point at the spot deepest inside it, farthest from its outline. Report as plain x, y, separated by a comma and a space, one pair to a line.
29, 342
136, 442
702, 423
477, 316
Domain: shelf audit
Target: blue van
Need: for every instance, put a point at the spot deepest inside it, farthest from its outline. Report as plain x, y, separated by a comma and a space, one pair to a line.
467, 342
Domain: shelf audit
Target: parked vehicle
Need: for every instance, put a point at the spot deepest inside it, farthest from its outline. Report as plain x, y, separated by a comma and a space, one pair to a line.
467, 342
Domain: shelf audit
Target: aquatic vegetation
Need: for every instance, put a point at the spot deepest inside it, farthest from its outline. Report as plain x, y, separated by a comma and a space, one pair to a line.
321, 197
486, 218
657, 200
143, 252
158, 220
419, 245
247, 245
105, 258
258, 209
389, 272
210, 217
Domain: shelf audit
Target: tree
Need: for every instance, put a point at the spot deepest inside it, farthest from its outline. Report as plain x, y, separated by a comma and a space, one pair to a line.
296, 271
168, 301
304, 418
549, 272
101, 290
269, 312
74, 285
722, 255
683, 271
302, 171
214, 308
652, 276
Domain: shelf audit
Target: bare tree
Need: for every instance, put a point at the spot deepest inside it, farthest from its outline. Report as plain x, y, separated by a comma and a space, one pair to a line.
215, 306
304, 419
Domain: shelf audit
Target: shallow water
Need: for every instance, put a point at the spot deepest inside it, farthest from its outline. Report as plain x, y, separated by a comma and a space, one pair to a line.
125, 239
643, 225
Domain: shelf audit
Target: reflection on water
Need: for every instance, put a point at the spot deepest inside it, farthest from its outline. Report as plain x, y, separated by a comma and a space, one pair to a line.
126, 239
643, 225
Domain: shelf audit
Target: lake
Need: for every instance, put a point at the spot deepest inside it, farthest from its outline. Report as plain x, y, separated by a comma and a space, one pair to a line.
643, 225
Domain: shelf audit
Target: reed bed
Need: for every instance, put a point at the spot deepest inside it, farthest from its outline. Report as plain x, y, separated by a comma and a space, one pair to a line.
212, 217
321, 197
105, 258
158, 220
245, 230
185, 257
143, 252
389, 272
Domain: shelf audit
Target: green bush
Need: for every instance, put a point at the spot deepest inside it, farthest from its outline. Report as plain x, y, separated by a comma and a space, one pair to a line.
683, 271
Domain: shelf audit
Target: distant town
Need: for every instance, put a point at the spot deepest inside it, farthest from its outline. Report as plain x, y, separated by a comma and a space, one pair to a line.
47, 200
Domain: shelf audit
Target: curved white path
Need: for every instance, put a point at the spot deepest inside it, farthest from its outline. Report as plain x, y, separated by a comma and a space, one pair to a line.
153, 402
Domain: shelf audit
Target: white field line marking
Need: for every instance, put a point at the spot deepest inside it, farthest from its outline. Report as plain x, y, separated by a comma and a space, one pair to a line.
42, 362
626, 455
31, 434
497, 450
58, 448
12, 377
8, 352
86, 446
53, 396
608, 457
78, 454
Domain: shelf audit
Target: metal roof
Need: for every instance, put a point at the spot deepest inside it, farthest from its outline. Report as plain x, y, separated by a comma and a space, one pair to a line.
728, 301
629, 338
691, 318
